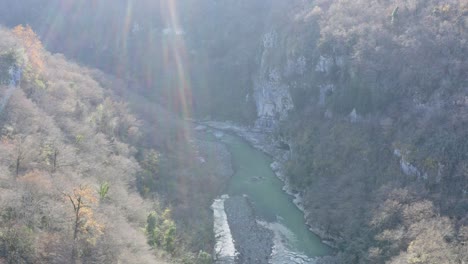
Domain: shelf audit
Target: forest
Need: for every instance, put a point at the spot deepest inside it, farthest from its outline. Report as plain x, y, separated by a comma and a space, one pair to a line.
98, 164
77, 172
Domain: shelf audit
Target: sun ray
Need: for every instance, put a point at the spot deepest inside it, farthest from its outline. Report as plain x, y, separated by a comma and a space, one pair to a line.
175, 56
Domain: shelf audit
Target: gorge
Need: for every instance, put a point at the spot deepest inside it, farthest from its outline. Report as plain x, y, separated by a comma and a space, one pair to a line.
347, 118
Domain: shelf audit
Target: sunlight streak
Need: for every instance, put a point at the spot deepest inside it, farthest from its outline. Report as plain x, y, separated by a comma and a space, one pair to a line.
162, 47
175, 58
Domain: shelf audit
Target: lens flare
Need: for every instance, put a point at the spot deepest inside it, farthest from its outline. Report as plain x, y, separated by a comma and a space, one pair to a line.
151, 52
176, 63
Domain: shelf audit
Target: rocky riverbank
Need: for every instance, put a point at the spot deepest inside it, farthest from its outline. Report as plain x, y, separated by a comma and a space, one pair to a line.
224, 251
253, 242
216, 156
269, 145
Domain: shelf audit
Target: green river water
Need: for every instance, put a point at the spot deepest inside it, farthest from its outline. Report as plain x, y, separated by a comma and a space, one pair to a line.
254, 177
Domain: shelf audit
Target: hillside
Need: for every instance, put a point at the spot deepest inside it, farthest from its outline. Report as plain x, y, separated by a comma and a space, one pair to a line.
76, 182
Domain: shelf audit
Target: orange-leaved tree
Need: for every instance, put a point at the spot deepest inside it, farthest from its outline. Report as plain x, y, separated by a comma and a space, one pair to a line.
85, 226
32, 46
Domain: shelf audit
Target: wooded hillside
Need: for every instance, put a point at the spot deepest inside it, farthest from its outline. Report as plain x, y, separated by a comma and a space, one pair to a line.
68, 172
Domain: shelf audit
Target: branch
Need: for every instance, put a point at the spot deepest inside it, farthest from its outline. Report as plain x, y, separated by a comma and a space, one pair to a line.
71, 200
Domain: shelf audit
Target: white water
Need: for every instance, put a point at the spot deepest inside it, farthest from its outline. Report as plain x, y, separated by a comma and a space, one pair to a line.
280, 253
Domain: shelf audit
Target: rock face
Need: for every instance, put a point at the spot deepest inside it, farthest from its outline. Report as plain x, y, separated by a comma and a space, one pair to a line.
272, 97
407, 168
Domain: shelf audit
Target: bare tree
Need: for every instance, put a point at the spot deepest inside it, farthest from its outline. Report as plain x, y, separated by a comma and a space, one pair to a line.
22, 150
83, 198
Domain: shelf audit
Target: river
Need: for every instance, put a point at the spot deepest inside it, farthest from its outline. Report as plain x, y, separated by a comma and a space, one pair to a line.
273, 207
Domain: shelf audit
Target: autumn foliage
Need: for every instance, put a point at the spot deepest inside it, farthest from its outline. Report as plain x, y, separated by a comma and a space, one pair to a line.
83, 199
52, 160
32, 46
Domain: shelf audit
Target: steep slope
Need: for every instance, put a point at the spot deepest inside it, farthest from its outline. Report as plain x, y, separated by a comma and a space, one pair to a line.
378, 133
67, 163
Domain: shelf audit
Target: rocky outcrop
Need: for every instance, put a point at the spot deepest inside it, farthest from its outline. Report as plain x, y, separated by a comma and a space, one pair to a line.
407, 168
272, 96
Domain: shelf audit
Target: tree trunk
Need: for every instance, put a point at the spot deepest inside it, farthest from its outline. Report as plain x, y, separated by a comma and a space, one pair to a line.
55, 160
17, 165
75, 231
